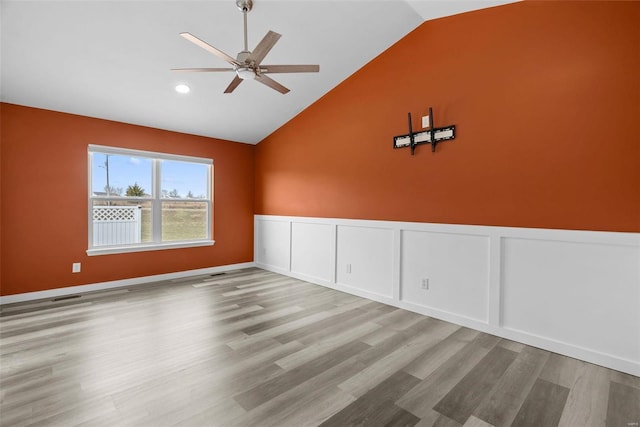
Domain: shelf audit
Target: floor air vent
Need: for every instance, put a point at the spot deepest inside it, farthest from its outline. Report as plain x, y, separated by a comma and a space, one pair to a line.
67, 297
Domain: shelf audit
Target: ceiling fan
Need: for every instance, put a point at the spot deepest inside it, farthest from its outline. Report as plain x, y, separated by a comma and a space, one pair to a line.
248, 65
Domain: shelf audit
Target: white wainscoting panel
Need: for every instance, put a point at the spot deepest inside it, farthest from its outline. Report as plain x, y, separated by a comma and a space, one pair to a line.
581, 294
365, 259
312, 251
273, 244
575, 293
456, 267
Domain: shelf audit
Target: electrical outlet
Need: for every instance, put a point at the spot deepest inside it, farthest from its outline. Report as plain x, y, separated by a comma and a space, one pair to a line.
75, 267
424, 284
425, 121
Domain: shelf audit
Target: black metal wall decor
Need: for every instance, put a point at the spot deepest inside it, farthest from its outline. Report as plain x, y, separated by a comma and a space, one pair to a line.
432, 136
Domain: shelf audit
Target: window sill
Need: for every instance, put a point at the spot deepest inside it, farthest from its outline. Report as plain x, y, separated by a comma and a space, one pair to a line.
109, 250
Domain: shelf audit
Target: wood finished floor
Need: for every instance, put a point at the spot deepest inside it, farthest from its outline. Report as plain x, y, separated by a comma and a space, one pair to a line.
253, 348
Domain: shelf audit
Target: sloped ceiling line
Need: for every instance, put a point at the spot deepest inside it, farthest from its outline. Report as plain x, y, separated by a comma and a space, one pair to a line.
112, 60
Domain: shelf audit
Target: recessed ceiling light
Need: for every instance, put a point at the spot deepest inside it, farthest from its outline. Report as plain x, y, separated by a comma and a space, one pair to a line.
182, 88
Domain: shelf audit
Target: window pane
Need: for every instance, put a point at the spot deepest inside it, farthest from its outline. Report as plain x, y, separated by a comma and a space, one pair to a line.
120, 175
184, 180
143, 199
182, 220
121, 223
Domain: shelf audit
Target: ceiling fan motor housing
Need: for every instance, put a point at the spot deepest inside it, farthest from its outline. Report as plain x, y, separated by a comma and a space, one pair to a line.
244, 57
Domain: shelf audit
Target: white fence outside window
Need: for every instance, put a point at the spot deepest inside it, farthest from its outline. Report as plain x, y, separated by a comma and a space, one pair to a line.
116, 225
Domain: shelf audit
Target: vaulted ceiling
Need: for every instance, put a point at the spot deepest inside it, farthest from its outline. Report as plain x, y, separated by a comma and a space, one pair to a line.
112, 59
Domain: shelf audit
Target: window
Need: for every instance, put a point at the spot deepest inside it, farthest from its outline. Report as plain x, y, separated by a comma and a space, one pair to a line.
140, 200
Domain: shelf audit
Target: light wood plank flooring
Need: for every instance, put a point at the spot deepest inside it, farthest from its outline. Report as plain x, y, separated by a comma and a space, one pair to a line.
254, 348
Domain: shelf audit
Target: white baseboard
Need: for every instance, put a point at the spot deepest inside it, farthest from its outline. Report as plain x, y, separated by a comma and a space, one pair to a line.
72, 290
568, 291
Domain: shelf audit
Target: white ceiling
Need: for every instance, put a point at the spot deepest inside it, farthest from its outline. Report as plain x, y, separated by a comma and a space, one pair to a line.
112, 59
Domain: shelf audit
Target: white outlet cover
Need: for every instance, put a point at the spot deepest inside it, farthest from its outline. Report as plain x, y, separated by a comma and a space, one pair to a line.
75, 267
425, 121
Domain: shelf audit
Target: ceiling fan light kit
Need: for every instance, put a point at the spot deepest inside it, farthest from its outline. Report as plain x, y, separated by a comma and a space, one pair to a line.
247, 64
245, 73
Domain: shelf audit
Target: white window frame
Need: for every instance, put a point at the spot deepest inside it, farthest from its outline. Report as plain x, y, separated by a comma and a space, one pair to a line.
155, 199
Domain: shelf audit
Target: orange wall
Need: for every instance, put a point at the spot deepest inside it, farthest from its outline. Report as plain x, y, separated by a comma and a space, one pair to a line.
546, 99
44, 200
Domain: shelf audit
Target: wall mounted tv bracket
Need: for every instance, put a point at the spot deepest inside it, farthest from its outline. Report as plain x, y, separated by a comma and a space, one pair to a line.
432, 136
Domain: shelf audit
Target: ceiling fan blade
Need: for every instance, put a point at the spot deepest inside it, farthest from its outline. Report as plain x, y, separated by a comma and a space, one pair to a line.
206, 46
271, 83
234, 84
202, 70
289, 68
265, 45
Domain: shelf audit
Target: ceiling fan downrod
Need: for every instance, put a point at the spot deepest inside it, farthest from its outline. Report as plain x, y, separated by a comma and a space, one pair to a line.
245, 7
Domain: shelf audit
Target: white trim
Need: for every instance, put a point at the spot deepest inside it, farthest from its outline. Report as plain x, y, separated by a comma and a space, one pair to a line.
210, 175
615, 356
560, 235
397, 259
155, 199
153, 154
495, 281
156, 205
110, 250
72, 290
